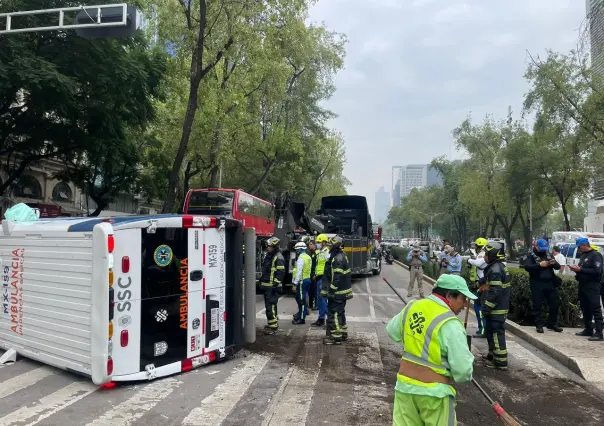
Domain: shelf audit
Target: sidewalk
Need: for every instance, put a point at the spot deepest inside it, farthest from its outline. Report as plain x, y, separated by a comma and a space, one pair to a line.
579, 355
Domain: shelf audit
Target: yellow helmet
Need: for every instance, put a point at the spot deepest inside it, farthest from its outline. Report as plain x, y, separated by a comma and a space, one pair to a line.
481, 242
322, 238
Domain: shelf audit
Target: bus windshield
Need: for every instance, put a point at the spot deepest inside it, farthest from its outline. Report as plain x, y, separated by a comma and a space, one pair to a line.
211, 203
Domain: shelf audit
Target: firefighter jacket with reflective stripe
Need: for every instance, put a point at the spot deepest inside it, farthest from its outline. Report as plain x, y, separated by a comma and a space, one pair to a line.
496, 302
322, 257
273, 270
337, 280
421, 321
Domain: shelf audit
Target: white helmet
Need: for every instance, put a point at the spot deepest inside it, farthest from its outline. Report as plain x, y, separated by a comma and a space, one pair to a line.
300, 246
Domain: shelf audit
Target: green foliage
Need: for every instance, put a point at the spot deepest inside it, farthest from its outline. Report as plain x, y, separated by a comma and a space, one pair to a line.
83, 101
242, 107
254, 121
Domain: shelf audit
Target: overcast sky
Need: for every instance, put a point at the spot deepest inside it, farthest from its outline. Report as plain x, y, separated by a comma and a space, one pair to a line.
415, 68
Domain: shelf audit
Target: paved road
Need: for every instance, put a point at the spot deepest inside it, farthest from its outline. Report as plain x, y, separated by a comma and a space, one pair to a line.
292, 379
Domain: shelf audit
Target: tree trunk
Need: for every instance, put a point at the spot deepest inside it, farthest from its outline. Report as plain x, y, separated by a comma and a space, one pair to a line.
493, 228
198, 72
267, 171
214, 152
98, 210
564, 213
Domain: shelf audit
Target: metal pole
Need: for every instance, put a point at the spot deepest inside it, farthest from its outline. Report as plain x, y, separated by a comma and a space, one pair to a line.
220, 176
249, 282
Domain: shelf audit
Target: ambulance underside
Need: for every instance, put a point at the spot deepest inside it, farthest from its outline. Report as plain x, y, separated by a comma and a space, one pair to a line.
156, 305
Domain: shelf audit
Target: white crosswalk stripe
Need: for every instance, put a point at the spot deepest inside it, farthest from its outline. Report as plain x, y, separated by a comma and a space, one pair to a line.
215, 408
50, 404
256, 389
23, 381
134, 408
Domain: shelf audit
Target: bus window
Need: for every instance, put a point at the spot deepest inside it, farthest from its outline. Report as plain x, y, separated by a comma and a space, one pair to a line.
245, 203
211, 203
262, 209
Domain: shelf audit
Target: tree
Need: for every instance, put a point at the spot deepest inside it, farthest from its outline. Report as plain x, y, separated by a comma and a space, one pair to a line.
564, 134
456, 213
260, 126
61, 95
568, 90
198, 36
525, 186
106, 169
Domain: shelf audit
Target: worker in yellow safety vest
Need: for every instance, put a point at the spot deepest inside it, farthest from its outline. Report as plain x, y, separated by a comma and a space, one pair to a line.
301, 281
322, 242
435, 355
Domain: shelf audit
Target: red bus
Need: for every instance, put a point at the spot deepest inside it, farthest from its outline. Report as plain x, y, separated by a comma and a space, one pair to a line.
234, 203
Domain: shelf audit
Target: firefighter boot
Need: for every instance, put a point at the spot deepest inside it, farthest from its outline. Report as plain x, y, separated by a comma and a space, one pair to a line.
318, 323
332, 341
268, 330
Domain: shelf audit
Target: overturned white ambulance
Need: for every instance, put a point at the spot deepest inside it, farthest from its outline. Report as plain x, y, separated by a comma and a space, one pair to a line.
124, 298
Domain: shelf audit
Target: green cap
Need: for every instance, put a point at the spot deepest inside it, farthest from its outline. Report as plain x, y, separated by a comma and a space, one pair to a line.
455, 282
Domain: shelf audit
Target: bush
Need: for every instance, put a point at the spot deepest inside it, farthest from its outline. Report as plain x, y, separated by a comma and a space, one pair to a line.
520, 302
568, 315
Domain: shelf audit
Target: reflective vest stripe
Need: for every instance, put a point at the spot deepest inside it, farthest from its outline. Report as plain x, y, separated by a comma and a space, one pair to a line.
307, 266
321, 260
424, 359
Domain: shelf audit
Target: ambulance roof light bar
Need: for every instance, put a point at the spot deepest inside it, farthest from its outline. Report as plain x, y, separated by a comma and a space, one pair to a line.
95, 11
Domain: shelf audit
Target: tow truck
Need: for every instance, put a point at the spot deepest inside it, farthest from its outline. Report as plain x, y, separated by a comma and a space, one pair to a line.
344, 215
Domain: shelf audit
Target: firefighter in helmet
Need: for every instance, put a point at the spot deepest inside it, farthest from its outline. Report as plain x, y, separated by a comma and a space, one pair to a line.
337, 287
495, 305
273, 271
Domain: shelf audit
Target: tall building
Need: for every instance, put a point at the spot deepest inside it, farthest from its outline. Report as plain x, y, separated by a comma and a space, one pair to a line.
405, 178
382, 205
396, 186
396, 194
413, 176
595, 19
